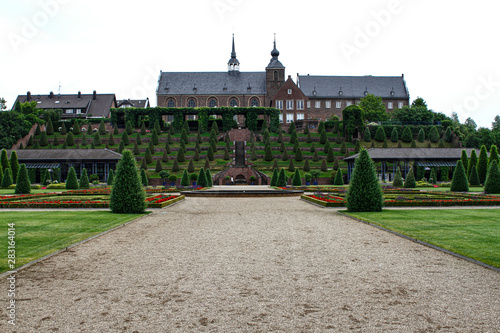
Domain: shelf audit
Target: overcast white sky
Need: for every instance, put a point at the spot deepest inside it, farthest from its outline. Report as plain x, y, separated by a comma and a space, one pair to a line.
448, 50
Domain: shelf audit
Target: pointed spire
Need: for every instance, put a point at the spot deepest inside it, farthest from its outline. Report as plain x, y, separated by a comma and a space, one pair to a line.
233, 65
275, 63
275, 53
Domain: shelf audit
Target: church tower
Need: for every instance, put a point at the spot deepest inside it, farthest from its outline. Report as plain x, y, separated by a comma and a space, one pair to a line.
233, 65
275, 74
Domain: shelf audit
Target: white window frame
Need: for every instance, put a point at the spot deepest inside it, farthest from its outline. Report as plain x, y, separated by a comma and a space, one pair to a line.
317, 104
289, 104
328, 104
348, 103
308, 104
279, 104
400, 105
281, 118
300, 116
289, 91
338, 104
300, 104
390, 105
289, 117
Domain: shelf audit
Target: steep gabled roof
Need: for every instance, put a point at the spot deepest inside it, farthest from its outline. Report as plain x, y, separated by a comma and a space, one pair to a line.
211, 83
136, 103
353, 86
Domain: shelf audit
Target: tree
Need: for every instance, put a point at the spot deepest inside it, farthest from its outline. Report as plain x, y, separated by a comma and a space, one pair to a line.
175, 165
472, 162
398, 180
84, 179
394, 135
158, 167
433, 177
482, 164
291, 166
144, 165
380, 134
493, 155
77, 128
274, 177
410, 179
144, 177
323, 137
338, 178
125, 139
121, 147
185, 178
321, 126
7, 178
464, 159
50, 127
14, 164
297, 181
184, 136
72, 181
202, 178
367, 137
44, 141
364, 193
128, 195
281, 179
473, 177
357, 147
323, 167
421, 135
492, 183
459, 181
208, 175
291, 128
434, 134
102, 128
181, 157
373, 108
407, 136
138, 139
268, 154
298, 155
306, 166
136, 149
326, 148
23, 185
143, 128
210, 154
207, 164
330, 157
111, 177
149, 158
448, 135
97, 139
285, 156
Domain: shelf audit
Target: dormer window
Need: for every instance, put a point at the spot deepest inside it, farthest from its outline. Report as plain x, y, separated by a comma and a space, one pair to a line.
289, 91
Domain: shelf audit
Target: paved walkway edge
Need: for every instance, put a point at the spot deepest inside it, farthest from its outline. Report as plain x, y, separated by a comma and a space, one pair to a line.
31, 263
477, 262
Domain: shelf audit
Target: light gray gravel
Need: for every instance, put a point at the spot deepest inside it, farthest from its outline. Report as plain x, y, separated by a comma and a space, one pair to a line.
254, 265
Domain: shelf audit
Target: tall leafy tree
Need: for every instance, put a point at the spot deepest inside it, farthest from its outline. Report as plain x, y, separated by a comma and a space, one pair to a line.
373, 108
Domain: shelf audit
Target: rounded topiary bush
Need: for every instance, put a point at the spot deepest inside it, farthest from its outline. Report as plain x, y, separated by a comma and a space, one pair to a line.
364, 193
459, 182
23, 185
492, 183
128, 195
407, 136
380, 134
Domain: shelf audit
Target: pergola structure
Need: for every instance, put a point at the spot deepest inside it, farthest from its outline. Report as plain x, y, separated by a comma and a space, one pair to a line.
95, 161
426, 157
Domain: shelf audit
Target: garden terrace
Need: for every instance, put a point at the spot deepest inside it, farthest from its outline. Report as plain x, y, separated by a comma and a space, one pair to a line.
242, 193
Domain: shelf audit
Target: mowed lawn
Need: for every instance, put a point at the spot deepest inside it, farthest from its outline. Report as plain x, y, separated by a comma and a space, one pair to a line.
474, 233
41, 233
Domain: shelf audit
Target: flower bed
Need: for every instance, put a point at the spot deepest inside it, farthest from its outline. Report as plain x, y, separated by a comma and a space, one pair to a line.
54, 204
172, 189
161, 201
25, 196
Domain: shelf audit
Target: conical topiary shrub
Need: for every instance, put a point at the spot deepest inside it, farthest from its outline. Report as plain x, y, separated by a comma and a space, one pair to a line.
364, 193
111, 177
459, 181
338, 178
144, 178
281, 179
14, 165
482, 164
72, 181
202, 178
297, 181
210, 181
274, 178
23, 185
185, 178
7, 178
492, 183
128, 195
398, 180
410, 179
84, 179
473, 177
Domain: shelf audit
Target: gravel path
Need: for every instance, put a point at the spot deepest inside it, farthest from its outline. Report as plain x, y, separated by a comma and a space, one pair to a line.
254, 265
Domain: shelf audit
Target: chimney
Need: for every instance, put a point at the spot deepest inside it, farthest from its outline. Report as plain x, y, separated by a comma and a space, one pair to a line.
51, 95
94, 96
28, 96
79, 94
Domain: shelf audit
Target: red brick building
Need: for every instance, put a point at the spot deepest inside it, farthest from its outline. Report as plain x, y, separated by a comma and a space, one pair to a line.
291, 101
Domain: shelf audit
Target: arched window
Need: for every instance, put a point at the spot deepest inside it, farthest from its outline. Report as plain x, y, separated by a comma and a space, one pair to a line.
275, 75
191, 103
233, 103
212, 103
171, 103
254, 102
